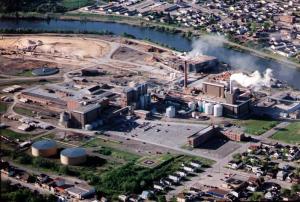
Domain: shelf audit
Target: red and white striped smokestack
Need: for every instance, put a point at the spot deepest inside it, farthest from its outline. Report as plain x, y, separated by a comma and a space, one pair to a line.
185, 74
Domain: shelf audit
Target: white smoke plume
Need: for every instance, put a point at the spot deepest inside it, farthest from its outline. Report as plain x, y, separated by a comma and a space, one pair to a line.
202, 45
256, 80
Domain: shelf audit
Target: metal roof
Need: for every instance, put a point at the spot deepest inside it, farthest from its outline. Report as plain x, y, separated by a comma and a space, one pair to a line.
45, 71
73, 152
44, 144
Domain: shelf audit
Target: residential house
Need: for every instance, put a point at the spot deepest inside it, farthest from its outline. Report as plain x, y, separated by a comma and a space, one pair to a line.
181, 173
175, 178
159, 186
281, 175
81, 191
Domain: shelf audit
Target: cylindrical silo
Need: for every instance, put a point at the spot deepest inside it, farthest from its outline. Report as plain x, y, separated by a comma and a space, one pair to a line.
88, 127
192, 105
208, 108
170, 112
199, 103
218, 110
73, 156
44, 148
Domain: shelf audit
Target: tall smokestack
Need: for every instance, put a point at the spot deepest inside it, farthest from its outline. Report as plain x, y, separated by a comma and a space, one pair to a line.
185, 74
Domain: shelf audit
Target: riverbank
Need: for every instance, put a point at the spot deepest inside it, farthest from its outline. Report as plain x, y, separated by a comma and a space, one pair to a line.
188, 33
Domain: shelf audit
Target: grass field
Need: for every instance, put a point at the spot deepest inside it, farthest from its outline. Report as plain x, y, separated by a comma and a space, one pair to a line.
23, 111
3, 107
119, 154
25, 73
75, 4
12, 134
98, 142
257, 126
290, 134
153, 161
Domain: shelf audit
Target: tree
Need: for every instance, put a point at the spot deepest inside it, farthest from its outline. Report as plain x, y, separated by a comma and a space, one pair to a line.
295, 188
237, 157
256, 196
161, 198
286, 192
253, 27
266, 25
25, 159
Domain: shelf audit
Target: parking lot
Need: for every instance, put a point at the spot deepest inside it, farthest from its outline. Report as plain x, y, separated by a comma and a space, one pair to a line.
174, 135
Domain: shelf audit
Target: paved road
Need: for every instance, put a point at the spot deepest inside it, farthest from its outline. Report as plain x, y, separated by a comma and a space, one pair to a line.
218, 168
24, 184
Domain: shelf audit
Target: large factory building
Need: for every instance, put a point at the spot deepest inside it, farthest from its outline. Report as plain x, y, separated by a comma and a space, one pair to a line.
84, 115
198, 64
137, 96
235, 103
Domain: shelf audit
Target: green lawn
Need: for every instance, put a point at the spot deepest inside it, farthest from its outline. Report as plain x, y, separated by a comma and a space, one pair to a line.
23, 111
291, 134
119, 154
25, 73
257, 126
12, 134
98, 142
3, 107
75, 4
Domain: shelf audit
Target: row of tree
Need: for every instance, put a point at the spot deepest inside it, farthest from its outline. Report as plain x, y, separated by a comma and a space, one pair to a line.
42, 6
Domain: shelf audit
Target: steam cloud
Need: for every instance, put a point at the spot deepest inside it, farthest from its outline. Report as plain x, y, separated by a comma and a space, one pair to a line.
203, 45
213, 45
255, 80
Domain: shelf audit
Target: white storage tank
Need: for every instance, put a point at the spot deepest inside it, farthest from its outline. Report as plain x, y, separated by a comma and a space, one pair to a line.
88, 127
192, 105
218, 110
170, 112
200, 105
73, 156
208, 108
44, 148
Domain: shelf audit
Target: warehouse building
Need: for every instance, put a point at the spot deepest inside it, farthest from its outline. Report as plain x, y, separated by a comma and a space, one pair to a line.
197, 64
81, 191
202, 136
84, 115
214, 89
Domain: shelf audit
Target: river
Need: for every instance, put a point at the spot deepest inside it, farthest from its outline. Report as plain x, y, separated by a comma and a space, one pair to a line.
234, 58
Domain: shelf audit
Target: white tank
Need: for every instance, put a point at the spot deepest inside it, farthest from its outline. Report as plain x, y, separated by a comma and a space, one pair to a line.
64, 116
208, 108
203, 106
194, 114
218, 110
192, 105
200, 106
170, 112
88, 127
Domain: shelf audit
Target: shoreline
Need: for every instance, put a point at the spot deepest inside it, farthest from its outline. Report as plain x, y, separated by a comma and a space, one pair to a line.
133, 21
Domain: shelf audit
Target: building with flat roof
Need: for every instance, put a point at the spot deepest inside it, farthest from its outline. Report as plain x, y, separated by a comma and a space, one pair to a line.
214, 89
202, 136
81, 191
84, 115
197, 64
